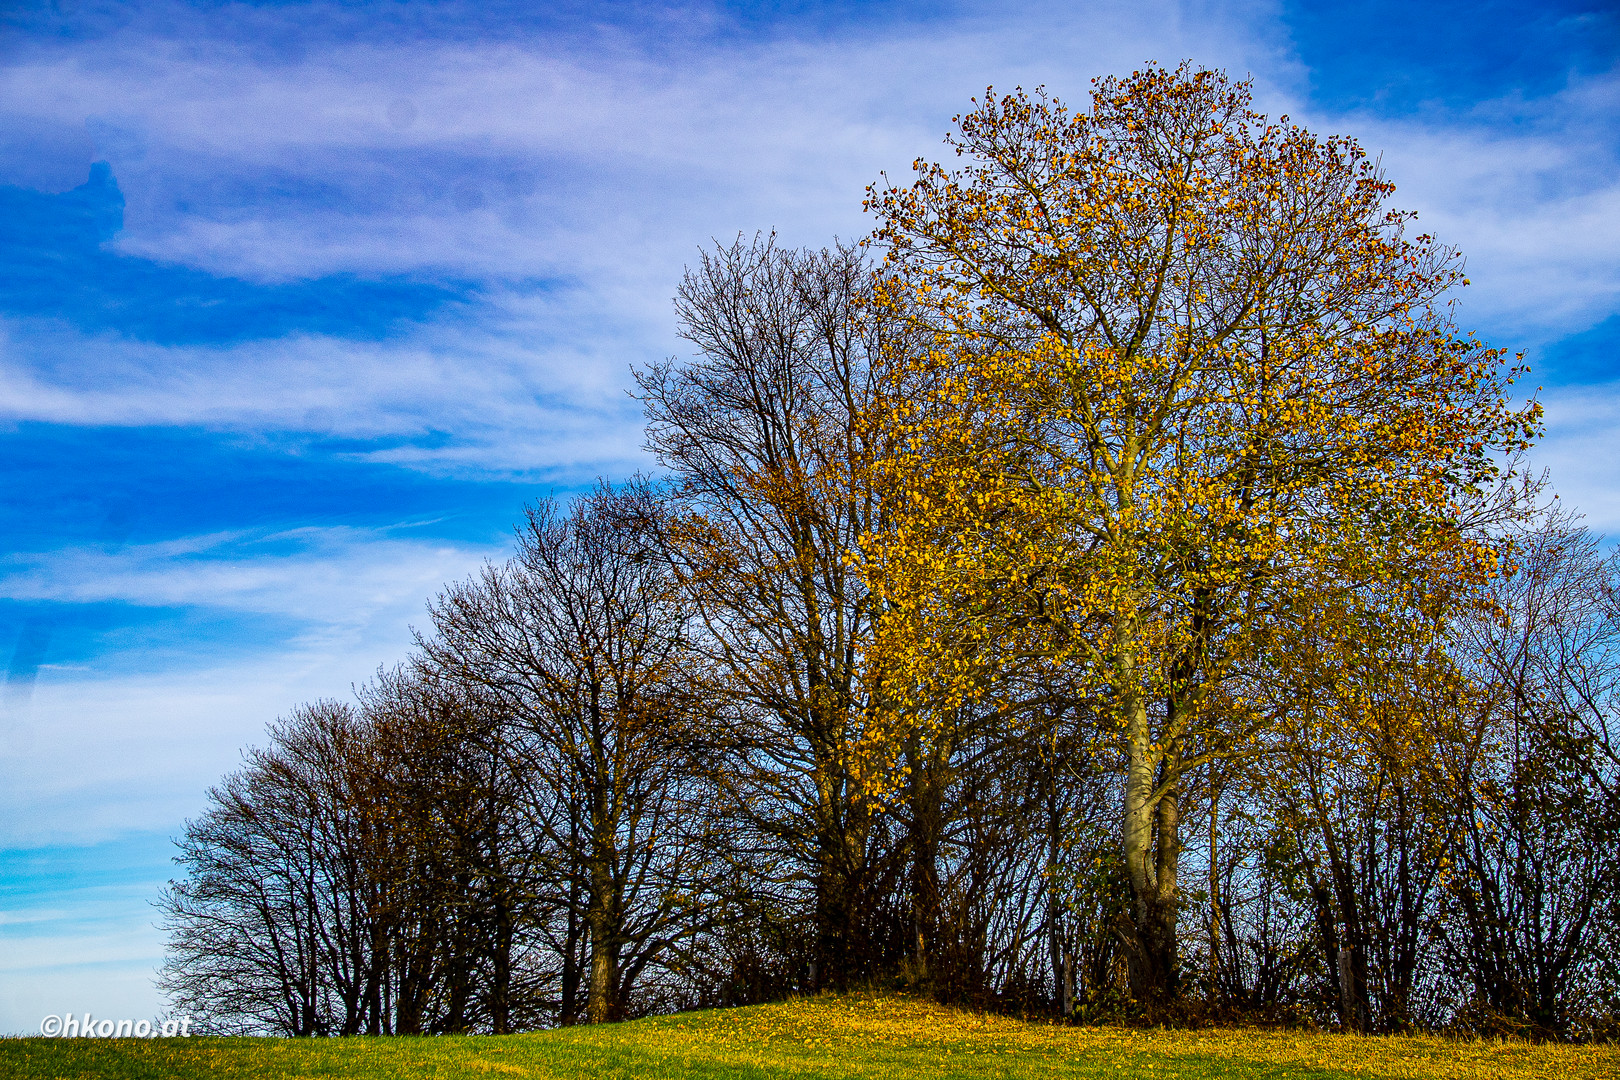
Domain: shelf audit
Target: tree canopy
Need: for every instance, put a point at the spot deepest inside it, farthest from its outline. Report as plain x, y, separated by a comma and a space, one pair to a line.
1181, 370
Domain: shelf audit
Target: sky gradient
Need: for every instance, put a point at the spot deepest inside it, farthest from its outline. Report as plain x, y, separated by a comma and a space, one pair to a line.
299, 303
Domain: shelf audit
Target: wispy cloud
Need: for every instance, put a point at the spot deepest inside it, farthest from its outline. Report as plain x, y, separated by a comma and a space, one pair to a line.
531, 390
599, 162
1534, 204
331, 578
108, 746
96, 953
1583, 429
579, 155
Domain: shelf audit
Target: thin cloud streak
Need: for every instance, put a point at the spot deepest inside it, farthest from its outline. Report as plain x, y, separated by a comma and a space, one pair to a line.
1579, 452
1534, 207
333, 576
598, 167
532, 391
730, 131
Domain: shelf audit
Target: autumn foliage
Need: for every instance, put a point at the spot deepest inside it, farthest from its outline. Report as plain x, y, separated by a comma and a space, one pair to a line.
1181, 373
1114, 589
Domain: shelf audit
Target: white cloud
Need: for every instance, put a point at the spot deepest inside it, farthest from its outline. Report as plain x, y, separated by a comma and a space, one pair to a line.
589, 157
121, 989
95, 758
1534, 207
334, 576
95, 955
1583, 425
604, 161
531, 389
97, 750
599, 163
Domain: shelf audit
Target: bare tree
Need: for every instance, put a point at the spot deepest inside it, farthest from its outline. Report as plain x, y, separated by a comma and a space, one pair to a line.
1535, 830
577, 641
765, 436
454, 859
272, 927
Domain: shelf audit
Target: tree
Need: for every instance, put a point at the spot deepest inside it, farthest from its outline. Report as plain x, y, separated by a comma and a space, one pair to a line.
274, 926
1177, 362
764, 434
579, 642
1534, 829
453, 860
1361, 696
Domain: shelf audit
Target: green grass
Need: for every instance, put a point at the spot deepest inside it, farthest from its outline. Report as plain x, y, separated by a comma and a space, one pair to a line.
869, 1036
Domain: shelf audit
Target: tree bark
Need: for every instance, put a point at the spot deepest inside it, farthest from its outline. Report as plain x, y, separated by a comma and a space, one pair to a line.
926, 826
1152, 839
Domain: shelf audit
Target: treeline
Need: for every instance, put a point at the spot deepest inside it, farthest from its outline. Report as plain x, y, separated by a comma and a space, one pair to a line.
898, 673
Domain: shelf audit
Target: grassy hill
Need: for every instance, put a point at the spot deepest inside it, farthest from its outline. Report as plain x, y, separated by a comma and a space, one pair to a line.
884, 1038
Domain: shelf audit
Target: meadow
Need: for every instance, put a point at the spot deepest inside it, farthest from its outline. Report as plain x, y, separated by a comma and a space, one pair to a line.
868, 1036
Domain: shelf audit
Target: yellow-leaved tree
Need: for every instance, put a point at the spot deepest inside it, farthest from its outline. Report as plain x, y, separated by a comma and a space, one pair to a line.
1177, 365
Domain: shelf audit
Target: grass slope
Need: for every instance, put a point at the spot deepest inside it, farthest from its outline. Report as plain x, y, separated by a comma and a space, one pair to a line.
884, 1038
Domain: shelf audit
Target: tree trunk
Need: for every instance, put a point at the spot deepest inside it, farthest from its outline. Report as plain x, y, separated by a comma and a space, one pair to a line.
600, 1007
603, 990
603, 920
568, 1007
1214, 891
925, 837
835, 908
1353, 989
840, 874
1152, 835
1062, 976
502, 932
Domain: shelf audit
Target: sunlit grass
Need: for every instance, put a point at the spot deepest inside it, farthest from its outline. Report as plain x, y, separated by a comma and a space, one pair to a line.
882, 1037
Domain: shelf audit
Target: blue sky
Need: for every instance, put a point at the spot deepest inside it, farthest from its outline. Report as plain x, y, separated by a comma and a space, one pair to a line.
299, 303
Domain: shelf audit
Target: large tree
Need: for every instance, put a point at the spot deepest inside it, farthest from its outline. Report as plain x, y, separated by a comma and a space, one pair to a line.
1178, 364
764, 434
